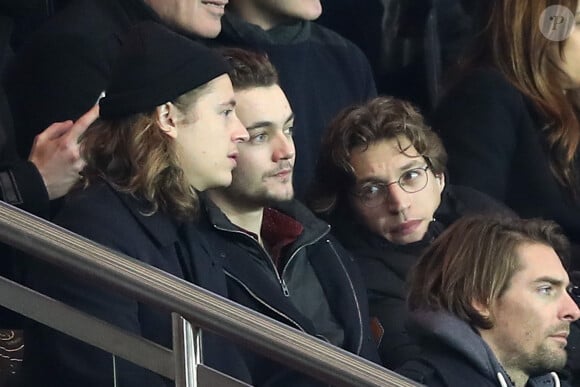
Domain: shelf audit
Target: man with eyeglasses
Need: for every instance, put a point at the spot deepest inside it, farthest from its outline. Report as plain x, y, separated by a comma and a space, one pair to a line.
380, 183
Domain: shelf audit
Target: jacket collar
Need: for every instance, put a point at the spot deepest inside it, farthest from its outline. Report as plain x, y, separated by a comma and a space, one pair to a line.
443, 327
160, 227
314, 228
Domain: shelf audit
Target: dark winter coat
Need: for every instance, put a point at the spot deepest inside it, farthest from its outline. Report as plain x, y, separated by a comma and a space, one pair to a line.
455, 355
318, 291
116, 220
385, 267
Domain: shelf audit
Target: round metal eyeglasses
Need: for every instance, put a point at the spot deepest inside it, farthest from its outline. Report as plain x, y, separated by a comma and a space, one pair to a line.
373, 194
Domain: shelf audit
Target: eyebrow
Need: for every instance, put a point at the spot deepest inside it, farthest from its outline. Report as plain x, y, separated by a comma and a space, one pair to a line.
552, 281
230, 103
265, 124
374, 179
412, 164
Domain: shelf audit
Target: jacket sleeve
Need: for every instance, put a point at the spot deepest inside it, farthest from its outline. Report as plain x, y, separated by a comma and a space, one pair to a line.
421, 372
66, 361
20, 182
21, 185
387, 311
395, 346
369, 347
478, 123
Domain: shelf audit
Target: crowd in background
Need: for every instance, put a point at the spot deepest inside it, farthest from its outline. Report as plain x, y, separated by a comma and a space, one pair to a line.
335, 165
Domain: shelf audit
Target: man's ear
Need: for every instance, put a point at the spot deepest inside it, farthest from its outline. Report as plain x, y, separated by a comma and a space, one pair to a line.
441, 181
166, 116
483, 310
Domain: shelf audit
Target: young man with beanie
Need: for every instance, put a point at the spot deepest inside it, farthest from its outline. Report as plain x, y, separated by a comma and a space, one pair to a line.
279, 259
320, 71
61, 71
167, 130
489, 303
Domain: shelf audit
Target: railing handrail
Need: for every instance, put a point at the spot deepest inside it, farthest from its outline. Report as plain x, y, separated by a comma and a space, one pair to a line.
202, 308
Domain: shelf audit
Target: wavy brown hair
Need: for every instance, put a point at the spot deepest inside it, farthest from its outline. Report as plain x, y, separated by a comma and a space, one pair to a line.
135, 156
513, 43
382, 118
249, 69
474, 260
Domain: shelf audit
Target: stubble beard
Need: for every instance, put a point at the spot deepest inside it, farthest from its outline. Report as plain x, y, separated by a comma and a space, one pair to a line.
546, 358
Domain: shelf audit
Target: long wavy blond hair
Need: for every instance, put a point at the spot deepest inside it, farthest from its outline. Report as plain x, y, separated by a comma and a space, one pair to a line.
135, 156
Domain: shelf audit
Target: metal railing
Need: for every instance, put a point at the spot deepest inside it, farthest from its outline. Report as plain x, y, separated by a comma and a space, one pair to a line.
154, 287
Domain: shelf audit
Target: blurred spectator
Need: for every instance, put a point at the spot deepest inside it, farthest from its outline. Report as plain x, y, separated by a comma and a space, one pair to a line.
511, 123
410, 44
62, 70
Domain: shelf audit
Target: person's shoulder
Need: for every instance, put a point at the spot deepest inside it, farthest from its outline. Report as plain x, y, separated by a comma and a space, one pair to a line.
96, 208
441, 367
420, 371
468, 201
486, 80
328, 37
92, 197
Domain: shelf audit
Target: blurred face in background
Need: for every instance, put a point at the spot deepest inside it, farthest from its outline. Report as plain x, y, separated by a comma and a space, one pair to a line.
270, 13
571, 61
198, 17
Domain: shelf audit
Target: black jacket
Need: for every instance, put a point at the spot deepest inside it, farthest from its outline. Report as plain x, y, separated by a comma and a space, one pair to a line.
320, 72
59, 74
319, 290
116, 221
494, 139
385, 267
454, 355
20, 182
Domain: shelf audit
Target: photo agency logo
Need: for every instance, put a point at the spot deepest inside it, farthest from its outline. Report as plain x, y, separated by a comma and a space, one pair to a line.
556, 23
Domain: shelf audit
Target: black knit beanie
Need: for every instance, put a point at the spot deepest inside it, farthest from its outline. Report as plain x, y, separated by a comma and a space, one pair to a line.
155, 66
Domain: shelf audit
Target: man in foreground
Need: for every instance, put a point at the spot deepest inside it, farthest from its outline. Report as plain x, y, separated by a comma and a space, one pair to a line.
489, 302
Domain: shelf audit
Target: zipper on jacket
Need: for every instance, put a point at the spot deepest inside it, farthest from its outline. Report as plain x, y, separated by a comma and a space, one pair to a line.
295, 252
284, 287
281, 281
264, 303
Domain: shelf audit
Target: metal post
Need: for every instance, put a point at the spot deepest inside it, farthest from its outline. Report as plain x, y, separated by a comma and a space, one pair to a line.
187, 351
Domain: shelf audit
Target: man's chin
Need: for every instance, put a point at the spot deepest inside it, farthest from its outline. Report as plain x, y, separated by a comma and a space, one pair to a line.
279, 197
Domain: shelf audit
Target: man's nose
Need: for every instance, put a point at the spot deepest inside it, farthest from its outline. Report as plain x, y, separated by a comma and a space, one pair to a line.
239, 131
397, 199
570, 310
283, 148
